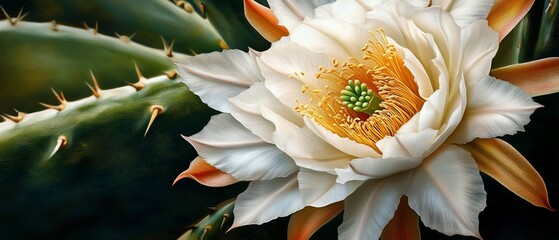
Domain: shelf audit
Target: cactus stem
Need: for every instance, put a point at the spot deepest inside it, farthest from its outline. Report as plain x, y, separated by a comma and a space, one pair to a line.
15, 119
60, 143
95, 88
14, 21
60, 98
172, 75
54, 26
124, 38
155, 110
168, 48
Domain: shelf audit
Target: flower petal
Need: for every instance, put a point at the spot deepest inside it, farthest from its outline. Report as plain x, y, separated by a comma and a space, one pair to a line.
505, 14
404, 225
217, 76
249, 112
465, 12
346, 145
282, 62
230, 147
505, 164
537, 77
319, 189
264, 21
304, 223
401, 152
267, 200
447, 192
292, 12
370, 208
307, 149
337, 38
206, 174
479, 44
495, 108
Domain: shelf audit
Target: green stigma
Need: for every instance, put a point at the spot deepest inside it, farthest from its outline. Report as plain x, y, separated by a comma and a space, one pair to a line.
358, 97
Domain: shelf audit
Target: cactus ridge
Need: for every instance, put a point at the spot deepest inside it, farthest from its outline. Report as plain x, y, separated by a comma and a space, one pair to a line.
57, 123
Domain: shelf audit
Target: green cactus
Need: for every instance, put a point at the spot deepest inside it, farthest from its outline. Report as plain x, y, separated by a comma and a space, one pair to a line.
146, 20
213, 225
547, 44
56, 56
94, 161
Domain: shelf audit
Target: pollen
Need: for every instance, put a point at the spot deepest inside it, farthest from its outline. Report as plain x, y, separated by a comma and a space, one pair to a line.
379, 82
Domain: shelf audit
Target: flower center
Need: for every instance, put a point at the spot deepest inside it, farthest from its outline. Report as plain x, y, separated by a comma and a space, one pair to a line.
364, 100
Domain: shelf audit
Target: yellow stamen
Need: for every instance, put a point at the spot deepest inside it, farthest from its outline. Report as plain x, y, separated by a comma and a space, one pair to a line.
383, 71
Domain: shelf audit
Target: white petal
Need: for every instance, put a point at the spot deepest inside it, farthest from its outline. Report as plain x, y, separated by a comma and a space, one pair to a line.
495, 108
401, 152
267, 200
480, 44
319, 189
336, 38
371, 207
246, 108
291, 13
217, 76
229, 146
307, 149
447, 192
446, 34
352, 11
282, 62
465, 12
346, 145
349, 174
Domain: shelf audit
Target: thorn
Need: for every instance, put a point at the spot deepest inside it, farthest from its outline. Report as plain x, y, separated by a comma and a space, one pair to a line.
212, 209
140, 84
60, 98
225, 217
96, 29
168, 48
193, 52
60, 143
95, 88
14, 21
172, 75
155, 111
54, 26
206, 230
203, 9
124, 38
188, 7
15, 119
223, 44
